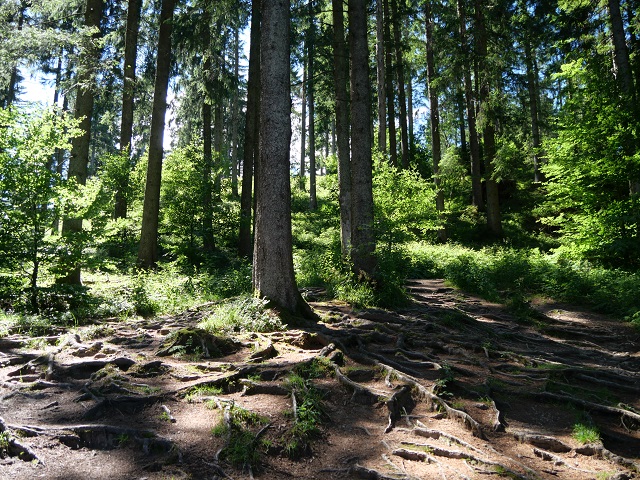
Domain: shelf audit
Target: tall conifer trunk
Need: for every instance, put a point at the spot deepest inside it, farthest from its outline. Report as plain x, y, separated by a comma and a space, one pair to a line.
273, 275
148, 254
474, 146
245, 243
79, 159
340, 80
313, 200
380, 73
494, 220
362, 234
390, 96
435, 120
126, 125
404, 134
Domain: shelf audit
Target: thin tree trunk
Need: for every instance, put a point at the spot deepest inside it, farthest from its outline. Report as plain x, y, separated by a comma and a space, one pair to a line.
245, 243
218, 124
494, 220
380, 72
313, 200
273, 275
390, 97
533, 111
474, 145
13, 78
435, 120
234, 115
148, 250
79, 160
126, 126
624, 77
410, 116
404, 135
362, 234
303, 120
207, 195
340, 80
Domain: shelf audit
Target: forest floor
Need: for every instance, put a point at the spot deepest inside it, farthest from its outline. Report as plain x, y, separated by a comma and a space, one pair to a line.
449, 387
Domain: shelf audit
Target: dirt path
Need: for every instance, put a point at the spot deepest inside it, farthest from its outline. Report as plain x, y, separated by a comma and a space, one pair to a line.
451, 387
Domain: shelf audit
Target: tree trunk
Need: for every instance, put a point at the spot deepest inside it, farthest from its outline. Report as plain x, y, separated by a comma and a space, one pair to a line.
245, 243
13, 78
313, 200
362, 234
79, 159
234, 114
303, 120
218, 122
474, 146
390, 97
532, 86
494, 220
207, 195
621, 63
273, 275
435, 120
126, 125
207, 133
410, 115
380, 73
404, 135
148, 249
624, 77
340, 79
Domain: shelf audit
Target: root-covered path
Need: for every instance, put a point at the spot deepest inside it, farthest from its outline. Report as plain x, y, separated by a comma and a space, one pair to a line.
451, 387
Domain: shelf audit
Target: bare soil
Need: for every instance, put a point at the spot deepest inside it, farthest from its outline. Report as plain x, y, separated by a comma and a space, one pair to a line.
451, 387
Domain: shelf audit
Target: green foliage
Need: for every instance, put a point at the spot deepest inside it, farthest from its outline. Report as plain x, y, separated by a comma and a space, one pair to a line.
592, 163
244, 447
404, 204
507, 274
31, 193
585, 433
242, 314
308, 414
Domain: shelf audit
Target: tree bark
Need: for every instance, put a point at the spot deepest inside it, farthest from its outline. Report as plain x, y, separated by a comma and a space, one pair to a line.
273, 275
362, 234
404, 135
207, 135
126, 125
621, 63
79, 159
234, 114
313, 200
474, 146
435, 120
380, 73
494, 220
245, 243
390, 97
340, 79
148, 248
303, 120
532, 86
13, 77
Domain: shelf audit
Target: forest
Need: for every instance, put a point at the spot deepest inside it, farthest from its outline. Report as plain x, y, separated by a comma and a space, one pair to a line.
239, 236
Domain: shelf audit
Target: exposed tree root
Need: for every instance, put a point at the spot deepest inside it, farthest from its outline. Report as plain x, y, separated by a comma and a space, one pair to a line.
543, 441
124, 404
435, 401
632, 417
251, 387
436, 434
558, 461
358, 471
